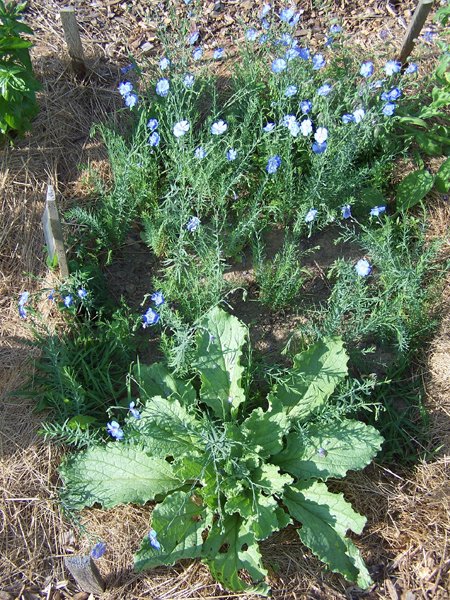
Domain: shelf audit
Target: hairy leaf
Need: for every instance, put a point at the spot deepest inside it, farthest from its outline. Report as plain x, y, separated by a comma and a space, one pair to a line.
265, 430
169, 429
329, 450
325, 519
179, 522
115, 474
442, 182
220, 339
156, 380
313, 378
413, 188
231, 547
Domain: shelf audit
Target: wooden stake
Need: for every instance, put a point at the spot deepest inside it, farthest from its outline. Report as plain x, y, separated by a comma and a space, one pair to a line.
53, 232
85, 572
415, 27
73, 41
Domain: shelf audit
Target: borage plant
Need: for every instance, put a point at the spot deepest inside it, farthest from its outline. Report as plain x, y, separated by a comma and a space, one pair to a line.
226, 474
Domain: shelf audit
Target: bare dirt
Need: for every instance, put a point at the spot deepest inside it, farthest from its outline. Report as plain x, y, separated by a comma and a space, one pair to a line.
406, 539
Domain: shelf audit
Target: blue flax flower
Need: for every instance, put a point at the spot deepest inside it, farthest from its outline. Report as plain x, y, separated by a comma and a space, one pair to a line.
150, 317
291, 54
68, 301
265, 24
197, 53
273, 164
335, 29
98, 550
319, 148
289, 16
157, 298
367, 69
321, 135
389, 109
134, 411
131, 100
218, 53
126, 69
181, 128
348, 118
294, 127
359, 114
311, 215
152, 124
219, 127
376, 211
164, 63
268, 127
265, 11
82, 293
391, 67
291, 90
115, 430
251, 34
200, 152
346, 211
231, 154
188, 80
324, 89
363, 267
162, 87
154, 139
411, 68
278, 65
152, 539
193, 38
306, 127
306, 106
304, 53
23, 299
193, 224
126, 87
318, 62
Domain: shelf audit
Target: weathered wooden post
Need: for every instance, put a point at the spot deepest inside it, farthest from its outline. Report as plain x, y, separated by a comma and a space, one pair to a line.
85, 572
53, 232
415, 27
73, 41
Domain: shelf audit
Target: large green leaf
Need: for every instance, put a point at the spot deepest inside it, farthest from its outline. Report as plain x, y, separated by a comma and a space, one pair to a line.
329, 450
230, 547
220, 339
115, 474
442, 182
262, 513
179, 522
169, 429
413, 188
264, 431
156, 380
312, 379
325, 519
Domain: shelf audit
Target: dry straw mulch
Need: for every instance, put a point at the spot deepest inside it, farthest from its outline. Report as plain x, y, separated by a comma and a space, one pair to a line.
405, 541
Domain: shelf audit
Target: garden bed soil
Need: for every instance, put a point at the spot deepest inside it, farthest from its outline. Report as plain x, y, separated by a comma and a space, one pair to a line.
406, 538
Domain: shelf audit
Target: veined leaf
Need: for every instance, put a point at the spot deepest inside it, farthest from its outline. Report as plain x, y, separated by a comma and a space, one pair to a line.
442, 181
312, 379
262, 513
242, 552
157, 380
169, 429
413, 188
325, 519
220, 339
269, 479
179, 522
115, 474
264, 430
329, 450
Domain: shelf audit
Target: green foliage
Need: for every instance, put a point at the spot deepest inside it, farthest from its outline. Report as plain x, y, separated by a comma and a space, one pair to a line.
78, 374
18, 85
413, 188
230, 474
442, 180
280, 278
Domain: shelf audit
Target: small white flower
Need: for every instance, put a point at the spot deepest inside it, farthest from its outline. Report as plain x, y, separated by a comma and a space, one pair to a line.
181, 128
321, 135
